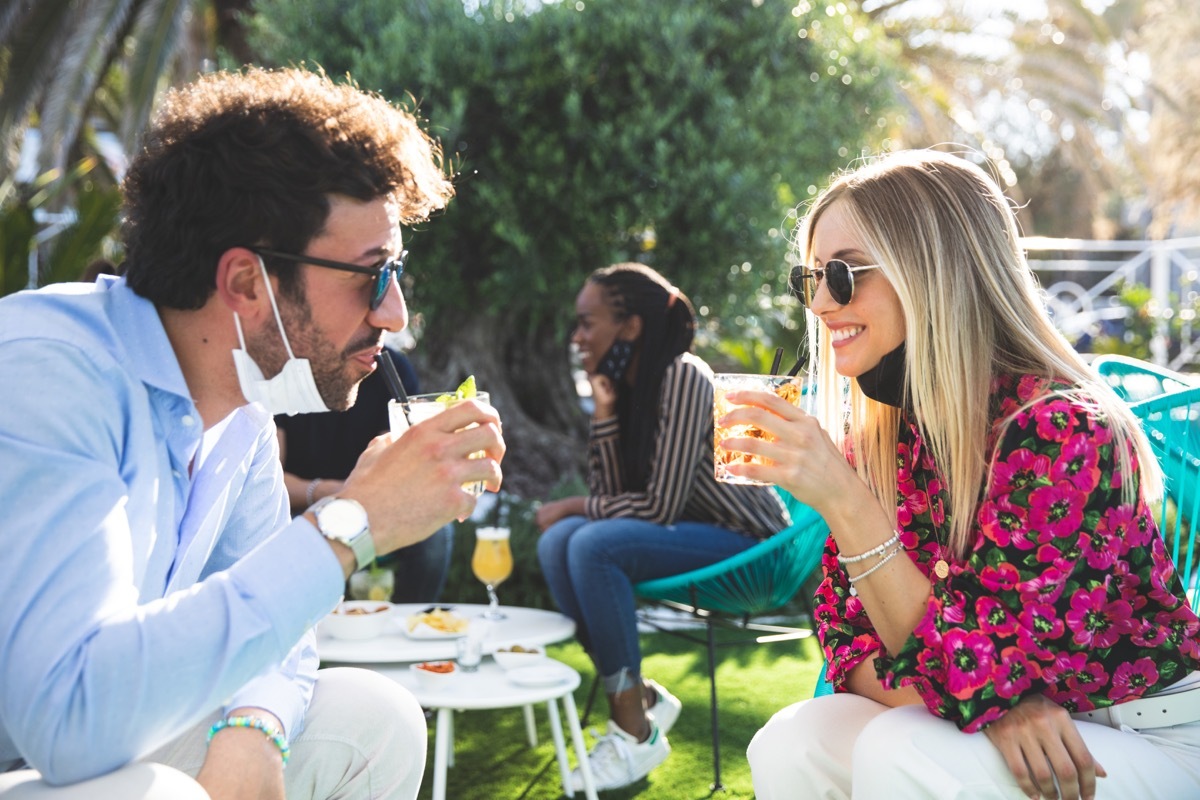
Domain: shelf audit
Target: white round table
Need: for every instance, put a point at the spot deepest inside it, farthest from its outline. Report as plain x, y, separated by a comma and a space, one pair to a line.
489, 687
523, 626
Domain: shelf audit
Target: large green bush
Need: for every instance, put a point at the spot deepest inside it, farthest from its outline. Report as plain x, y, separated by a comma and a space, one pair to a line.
679, 134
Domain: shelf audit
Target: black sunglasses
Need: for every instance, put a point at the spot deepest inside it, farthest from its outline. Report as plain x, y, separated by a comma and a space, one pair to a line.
804, 281
383, 271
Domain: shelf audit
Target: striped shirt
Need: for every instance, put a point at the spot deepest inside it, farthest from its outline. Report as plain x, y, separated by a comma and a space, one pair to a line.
681, 484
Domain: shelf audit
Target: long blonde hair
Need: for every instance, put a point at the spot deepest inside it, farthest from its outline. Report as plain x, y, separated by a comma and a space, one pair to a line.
947, 241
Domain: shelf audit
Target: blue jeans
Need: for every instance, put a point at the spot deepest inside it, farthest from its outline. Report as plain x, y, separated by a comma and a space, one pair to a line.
591, 567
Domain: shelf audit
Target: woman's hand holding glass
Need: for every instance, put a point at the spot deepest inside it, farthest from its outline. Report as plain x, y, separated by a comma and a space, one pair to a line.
801, 458
814, 471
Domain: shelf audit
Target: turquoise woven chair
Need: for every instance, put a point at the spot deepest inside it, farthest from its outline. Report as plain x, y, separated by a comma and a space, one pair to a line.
1136, 380
1172, 423
1168, 406
823, 686
763, 578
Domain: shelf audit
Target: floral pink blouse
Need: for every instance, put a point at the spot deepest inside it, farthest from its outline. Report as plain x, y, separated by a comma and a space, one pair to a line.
1068, 591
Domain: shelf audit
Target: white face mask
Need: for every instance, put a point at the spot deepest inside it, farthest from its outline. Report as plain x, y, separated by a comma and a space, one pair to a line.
293, 390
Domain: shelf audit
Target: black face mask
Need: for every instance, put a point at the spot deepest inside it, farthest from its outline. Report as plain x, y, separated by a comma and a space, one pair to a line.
884, 382
615, 362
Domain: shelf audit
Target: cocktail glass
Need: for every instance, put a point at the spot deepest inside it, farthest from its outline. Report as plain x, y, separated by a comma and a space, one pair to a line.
376, 583
492, 563
791, 389
421, 407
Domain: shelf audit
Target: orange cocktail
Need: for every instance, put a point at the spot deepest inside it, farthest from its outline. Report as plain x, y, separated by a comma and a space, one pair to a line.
492, 563
789, 388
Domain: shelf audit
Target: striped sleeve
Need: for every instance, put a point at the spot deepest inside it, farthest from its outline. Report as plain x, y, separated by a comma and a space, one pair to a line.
683, 440
604, 458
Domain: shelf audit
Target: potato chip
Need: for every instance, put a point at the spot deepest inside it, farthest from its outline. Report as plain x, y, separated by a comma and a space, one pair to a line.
440, 619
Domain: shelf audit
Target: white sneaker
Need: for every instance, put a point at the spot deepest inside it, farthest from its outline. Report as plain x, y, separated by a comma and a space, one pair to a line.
666, 709
619, 759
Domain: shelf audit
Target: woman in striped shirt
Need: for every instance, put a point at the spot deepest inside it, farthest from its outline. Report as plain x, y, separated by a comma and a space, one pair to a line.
654, 508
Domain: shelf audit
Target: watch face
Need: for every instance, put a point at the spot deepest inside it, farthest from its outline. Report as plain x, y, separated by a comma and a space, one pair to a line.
342, 519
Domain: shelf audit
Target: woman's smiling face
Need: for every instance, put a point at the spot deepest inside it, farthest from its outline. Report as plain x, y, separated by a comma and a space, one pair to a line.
871, 325
596, 325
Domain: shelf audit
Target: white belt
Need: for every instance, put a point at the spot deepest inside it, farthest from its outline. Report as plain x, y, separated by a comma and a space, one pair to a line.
1159, 711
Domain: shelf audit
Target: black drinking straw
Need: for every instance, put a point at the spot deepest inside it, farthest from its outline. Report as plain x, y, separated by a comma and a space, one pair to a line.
796, 369
384, 359
778, 359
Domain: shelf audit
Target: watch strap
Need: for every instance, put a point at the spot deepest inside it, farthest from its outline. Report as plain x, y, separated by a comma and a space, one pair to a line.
363, 547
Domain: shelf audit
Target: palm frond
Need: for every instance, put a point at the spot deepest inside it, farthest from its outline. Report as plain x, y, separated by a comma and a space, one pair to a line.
89, 52
156, 32
33, 41
10, 12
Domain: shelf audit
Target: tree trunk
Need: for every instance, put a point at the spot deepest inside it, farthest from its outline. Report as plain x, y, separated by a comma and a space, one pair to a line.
527, 375
231, 29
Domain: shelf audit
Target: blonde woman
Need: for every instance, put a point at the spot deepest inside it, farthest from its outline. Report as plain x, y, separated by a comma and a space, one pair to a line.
993, 567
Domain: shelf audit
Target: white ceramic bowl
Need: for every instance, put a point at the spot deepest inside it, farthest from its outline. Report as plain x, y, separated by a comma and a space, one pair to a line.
432, 680
358, 619
508, 658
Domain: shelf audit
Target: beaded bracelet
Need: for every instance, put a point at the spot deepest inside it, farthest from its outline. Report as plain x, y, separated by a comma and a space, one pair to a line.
874, 551
310, 491
863, 575
276, 737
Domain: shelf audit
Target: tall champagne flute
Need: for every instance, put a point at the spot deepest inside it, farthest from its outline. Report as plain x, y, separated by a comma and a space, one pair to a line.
492, 563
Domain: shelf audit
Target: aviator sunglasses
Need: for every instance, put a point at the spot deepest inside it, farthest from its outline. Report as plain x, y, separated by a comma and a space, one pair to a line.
805, 281
384, 271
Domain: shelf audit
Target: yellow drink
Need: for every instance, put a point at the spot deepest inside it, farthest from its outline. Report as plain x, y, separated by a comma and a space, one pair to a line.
492, 561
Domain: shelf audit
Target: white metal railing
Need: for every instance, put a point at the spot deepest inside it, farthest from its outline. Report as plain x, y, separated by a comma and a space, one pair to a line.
1084, 295
51, 224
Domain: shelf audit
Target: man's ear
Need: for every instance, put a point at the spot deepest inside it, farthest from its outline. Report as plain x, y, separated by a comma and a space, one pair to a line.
240, 277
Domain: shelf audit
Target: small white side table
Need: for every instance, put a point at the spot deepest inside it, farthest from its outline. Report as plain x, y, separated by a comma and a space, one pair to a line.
490, 687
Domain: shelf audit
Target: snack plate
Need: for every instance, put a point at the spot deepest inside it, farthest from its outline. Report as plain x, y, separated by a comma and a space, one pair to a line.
541, 675
423, 631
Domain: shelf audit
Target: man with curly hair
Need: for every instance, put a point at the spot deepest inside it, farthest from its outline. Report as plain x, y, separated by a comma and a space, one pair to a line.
156, 639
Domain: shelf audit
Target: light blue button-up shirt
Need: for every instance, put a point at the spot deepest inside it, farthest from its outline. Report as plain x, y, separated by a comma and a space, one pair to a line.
141, 587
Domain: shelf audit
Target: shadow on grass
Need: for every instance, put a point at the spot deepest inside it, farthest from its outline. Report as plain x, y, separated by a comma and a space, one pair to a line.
493, 760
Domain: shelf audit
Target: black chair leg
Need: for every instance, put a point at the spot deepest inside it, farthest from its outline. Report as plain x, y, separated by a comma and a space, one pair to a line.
591, 698
716, 730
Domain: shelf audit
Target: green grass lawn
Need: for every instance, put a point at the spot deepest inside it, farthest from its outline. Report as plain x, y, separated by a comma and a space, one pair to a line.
493, 760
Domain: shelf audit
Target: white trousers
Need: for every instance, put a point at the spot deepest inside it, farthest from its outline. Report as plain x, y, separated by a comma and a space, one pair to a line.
846, 746
364, 738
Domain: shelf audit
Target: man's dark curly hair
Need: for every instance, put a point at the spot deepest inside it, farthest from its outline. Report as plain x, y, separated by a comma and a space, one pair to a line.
251, 158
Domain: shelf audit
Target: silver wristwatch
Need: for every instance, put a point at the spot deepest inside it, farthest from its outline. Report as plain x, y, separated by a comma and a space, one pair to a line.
341, 519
